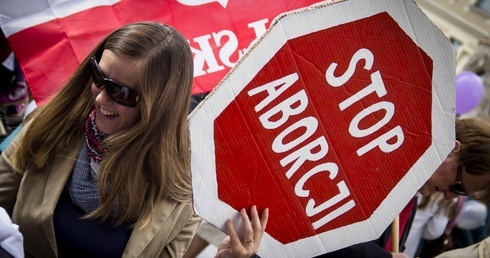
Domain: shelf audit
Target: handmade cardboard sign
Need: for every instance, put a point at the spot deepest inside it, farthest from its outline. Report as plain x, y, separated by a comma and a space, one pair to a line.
333, 120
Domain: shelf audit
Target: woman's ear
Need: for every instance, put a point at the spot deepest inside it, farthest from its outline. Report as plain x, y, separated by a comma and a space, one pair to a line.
457, 146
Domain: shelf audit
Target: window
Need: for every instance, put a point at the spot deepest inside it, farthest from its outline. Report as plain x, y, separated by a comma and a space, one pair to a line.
456, 43
483, 6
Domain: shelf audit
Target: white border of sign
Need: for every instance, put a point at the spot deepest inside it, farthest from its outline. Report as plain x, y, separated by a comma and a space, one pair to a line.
292, 25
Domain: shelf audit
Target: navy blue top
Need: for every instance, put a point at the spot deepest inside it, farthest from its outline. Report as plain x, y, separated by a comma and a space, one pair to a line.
4, 254
77, 237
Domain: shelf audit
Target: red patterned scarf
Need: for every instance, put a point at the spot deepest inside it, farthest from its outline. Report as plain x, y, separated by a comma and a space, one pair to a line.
93, 138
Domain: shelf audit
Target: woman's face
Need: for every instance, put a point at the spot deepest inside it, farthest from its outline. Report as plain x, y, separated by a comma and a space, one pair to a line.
112, 117
445, 175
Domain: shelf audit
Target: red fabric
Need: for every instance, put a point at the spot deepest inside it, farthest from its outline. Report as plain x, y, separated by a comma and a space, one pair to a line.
403, 219
94, 138
5, 49
218, 34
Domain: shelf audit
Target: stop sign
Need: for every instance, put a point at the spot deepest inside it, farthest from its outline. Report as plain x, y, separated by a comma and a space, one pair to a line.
333, 121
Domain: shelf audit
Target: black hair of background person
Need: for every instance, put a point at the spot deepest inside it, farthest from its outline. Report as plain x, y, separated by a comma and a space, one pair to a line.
196, 99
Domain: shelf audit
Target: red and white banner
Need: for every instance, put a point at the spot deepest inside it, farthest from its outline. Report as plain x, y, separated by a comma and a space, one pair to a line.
333, 120
51, 37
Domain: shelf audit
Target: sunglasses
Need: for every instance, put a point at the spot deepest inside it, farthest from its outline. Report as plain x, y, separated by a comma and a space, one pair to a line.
457, 187
121, 94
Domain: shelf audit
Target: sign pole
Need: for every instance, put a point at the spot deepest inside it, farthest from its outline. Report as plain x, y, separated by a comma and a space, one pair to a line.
395, 229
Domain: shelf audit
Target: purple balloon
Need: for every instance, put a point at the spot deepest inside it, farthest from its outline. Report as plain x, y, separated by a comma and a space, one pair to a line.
469, 91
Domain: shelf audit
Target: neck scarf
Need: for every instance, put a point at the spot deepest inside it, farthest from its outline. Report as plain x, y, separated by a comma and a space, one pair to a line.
93, 138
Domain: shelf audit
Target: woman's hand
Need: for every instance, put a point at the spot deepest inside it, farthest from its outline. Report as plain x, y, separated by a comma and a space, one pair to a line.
234, 247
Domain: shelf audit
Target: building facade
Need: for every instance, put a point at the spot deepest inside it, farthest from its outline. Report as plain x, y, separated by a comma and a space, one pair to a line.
464, 22
467, 24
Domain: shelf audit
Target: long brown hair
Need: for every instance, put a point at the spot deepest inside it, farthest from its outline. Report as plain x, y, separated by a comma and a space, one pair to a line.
146, 163
437, 198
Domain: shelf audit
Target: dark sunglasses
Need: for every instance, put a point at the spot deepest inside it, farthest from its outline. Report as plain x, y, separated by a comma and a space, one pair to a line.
457, 187
119, 93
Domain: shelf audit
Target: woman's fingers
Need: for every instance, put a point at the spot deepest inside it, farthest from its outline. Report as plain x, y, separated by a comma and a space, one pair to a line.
248, 230
234, 238
259, 223
236, 246
264, 218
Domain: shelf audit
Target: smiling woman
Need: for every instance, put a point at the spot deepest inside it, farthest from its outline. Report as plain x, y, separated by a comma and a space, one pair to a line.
114, 102
108, 157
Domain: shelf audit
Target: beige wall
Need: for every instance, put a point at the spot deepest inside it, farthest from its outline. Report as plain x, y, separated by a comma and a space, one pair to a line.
459, 20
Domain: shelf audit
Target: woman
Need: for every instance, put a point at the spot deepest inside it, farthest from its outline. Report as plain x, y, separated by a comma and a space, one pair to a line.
112, 148
466, 170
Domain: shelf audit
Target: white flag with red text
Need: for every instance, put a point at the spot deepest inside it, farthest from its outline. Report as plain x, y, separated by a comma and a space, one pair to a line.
51, 37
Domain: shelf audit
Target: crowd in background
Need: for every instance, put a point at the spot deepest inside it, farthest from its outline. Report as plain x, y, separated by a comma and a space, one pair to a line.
14, 93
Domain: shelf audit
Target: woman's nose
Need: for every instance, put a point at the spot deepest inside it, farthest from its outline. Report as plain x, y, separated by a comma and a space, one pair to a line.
103, 97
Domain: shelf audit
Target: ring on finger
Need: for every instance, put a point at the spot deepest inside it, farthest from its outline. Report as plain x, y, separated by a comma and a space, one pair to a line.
248, 240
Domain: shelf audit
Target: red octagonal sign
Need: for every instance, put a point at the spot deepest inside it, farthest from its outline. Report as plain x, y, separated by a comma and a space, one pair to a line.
328, 122
329, 133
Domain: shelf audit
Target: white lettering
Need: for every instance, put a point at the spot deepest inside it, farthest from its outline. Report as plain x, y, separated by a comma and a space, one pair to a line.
227, 43
283, 83
228, 48
354, 129
285, 109
202, 2
305, 153
205, 55
310, 123
259, 29
296, 138
362, 53
382, 142
330, 166
334, 214
377, 86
